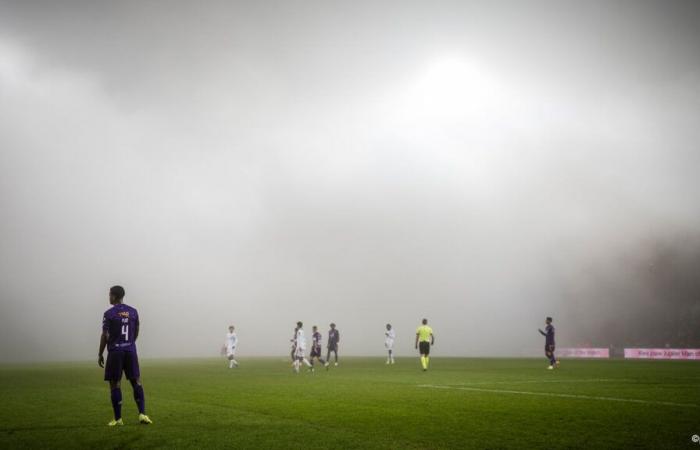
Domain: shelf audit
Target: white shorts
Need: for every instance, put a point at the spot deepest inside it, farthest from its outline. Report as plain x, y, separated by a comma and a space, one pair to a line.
299, 352
230, 351
389, 344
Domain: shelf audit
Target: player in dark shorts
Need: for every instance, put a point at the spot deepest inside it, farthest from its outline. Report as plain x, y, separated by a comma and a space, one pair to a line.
120, 329
316, 348
549, 345
424, 339
333, 341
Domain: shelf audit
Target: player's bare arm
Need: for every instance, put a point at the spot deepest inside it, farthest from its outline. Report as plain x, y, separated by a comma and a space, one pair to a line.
100, 353
432, 339
417, 336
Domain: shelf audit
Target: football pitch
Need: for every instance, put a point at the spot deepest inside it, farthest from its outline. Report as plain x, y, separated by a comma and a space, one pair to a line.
459, 403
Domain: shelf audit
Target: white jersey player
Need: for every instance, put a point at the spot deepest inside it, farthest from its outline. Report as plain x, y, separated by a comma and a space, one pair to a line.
231, 343
300, 350
389, 337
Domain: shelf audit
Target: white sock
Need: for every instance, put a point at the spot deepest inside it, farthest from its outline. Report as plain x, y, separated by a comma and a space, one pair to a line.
296, 365
230, 364
306, 361
235, 363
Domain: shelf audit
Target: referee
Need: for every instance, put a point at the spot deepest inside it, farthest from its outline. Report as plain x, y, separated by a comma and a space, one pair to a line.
424, 339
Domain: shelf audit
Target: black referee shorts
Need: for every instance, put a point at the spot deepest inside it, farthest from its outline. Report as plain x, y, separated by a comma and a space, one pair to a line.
424, 347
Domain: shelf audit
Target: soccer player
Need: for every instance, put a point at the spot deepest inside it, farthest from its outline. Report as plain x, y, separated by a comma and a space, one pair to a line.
548, 334
293, 340
120, 329
424, 339
316, 348
300, 342
389, 336
333, 341
231, 342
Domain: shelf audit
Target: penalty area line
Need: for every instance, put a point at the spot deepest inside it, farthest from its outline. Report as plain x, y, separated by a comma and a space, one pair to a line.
552, 394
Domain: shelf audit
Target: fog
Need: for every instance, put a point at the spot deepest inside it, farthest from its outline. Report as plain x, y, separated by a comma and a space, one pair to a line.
481, 164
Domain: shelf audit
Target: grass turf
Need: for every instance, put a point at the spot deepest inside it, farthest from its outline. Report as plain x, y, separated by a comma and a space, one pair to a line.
481, 403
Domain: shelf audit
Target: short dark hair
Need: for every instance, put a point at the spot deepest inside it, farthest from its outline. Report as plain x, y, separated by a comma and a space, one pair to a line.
332, 324
299, 324
117, 291
548, 319
425, 321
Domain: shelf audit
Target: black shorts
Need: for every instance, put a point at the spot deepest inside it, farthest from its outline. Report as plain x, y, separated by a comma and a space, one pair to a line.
119, 362
333, 348
315, 352
424, 347
548, 348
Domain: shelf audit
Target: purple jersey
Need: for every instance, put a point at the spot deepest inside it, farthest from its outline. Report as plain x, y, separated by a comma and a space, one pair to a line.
121, 323
549, 334
317, 338
333, 338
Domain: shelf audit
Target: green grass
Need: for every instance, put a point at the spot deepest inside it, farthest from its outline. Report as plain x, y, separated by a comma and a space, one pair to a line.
362, 404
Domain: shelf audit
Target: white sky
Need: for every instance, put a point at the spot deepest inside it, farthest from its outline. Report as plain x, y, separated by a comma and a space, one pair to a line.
356, 162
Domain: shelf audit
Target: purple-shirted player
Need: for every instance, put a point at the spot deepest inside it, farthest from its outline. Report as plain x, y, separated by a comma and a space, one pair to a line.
333, 341
120, 329
316, 348
549, 346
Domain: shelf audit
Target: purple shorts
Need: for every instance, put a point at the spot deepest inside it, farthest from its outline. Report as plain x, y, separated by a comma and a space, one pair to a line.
118, 362
316, 351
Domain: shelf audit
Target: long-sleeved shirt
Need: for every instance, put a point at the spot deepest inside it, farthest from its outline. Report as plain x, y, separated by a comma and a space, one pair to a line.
333, 338
548, 334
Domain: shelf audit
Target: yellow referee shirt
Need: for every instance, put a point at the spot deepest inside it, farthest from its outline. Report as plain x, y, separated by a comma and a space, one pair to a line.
424, 332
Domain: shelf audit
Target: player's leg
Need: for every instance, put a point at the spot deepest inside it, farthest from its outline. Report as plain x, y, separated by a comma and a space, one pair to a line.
232, 359
335, 355
298, 357
133, 374
140, 399
116, 398
548, 354
113, 374
423, 355
552, 358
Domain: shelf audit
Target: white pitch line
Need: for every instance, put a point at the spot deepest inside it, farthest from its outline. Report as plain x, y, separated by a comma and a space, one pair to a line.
587, 380
551, 394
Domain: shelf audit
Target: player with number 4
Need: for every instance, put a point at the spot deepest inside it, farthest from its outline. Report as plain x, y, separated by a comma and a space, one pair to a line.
120, 329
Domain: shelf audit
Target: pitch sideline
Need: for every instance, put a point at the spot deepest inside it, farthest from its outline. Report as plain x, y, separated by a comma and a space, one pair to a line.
552, 394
